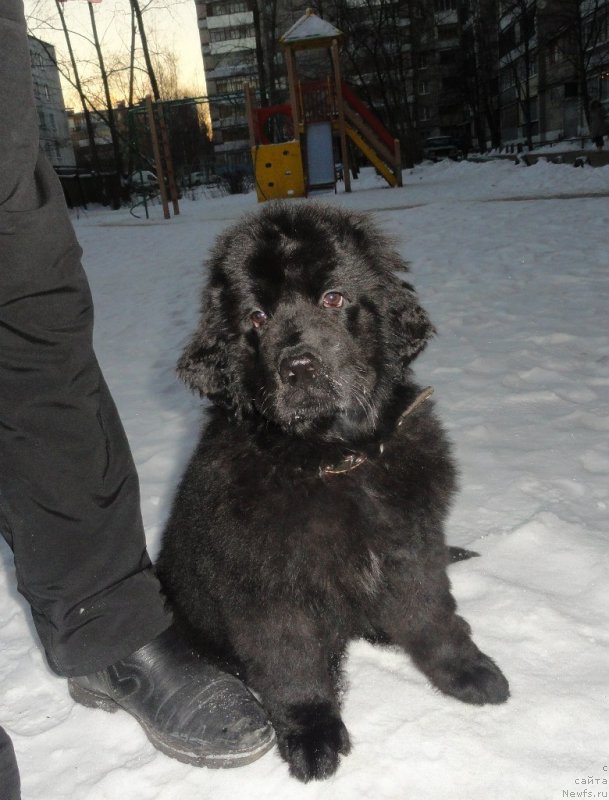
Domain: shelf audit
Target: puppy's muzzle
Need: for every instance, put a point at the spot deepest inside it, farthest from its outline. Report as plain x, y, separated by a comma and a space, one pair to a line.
299, 370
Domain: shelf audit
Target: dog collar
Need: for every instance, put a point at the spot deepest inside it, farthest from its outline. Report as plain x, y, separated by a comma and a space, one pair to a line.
354, 460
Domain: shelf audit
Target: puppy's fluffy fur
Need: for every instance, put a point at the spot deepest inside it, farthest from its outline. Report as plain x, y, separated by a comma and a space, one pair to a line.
276, 562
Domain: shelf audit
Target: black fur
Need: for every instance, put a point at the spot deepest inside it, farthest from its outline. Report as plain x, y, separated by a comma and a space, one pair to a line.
274, 564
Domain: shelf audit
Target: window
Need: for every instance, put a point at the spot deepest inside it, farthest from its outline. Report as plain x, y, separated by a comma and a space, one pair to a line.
233, 85
236, 134
509, 116
603, 28
216, 9
447, 32
527, 24
507, 79
534, 109
230, 111
230, 34
596, 31
445, 5
507, 40
424, 114
554, 53
423, 87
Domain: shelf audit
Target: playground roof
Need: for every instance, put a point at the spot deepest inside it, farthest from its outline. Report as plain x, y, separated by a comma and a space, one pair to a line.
310, 31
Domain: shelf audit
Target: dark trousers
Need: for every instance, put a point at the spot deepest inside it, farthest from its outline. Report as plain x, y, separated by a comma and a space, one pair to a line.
69, 495
9, 774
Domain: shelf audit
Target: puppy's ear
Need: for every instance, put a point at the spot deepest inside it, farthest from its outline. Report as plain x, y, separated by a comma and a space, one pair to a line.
202, 365
410, 322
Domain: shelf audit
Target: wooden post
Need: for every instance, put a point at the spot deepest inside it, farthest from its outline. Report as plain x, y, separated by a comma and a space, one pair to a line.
338, 90
157, 156
294, 100
398, 160
169, 170
249, 110
295, 95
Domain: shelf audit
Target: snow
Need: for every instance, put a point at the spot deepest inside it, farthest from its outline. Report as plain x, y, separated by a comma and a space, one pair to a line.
513, 264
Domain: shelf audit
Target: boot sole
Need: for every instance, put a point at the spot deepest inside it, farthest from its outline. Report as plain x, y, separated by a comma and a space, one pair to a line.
89, 699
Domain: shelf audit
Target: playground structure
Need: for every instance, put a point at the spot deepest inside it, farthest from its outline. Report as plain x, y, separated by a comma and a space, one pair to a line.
295, 145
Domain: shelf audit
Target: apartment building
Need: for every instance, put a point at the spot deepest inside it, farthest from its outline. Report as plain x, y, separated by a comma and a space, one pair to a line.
553, 61
515, 72
52, 117
228, 44
442, 109
103, 157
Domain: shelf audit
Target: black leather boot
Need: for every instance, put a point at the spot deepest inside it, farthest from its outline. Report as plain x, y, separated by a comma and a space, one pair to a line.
188, 708
10, 786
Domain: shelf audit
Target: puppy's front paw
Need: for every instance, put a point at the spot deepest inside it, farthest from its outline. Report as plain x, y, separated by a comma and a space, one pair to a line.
475, 679
313, 746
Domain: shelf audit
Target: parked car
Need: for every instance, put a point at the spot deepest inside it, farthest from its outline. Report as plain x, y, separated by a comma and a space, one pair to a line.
196, 179
438, 147
143, 179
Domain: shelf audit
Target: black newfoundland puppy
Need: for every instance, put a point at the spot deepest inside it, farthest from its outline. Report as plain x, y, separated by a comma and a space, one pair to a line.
312, 510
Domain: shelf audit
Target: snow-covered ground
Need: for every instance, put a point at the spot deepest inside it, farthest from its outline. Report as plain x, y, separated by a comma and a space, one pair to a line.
513, 265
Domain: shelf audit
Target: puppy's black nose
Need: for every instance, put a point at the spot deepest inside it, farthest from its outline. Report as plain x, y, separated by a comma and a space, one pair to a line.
301, 369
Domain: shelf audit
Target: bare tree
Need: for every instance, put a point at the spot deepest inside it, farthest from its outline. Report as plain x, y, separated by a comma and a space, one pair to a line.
165, 64
574, 30
381, 37
109, 105
79, 89
519, 53
130, 96
272, 19
257, 8
137, 10
479, 66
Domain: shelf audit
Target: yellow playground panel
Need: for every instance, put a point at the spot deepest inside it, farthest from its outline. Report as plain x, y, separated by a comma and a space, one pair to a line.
278, 170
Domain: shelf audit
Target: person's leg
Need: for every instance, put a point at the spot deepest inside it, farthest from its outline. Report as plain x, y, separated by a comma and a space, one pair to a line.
70, 491
69, 496
10, 785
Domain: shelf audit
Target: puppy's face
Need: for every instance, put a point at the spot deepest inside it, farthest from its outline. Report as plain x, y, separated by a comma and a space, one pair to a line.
304, 321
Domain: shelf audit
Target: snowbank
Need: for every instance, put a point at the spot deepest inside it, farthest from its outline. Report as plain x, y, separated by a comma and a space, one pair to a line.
518, 287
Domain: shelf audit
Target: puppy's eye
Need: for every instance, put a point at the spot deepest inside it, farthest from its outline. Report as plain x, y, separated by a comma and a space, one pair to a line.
332, 300
258, 318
